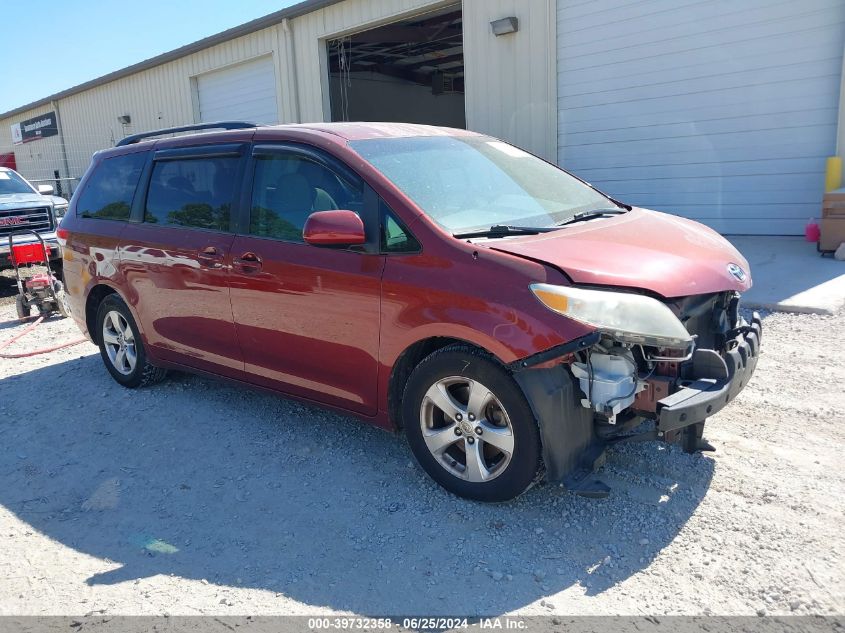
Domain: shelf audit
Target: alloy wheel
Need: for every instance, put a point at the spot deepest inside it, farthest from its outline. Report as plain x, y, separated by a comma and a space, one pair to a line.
466, 429
119, 342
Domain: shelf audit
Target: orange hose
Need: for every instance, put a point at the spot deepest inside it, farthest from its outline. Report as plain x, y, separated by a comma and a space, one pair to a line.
38, 351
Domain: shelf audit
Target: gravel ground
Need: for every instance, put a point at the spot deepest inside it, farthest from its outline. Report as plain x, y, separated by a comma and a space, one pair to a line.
193, 497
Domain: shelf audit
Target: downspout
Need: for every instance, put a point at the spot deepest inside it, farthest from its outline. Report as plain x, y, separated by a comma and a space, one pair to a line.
290, 49
840, 127
834, 175
833, 171
55, 105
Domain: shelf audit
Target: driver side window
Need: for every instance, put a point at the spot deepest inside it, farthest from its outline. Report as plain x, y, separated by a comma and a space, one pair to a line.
287, 188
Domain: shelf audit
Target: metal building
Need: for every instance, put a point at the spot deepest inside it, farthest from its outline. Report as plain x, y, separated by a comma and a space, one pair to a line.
721, 111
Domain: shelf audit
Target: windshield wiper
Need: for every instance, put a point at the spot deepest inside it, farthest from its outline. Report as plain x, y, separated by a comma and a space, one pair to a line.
501, 230
589, 215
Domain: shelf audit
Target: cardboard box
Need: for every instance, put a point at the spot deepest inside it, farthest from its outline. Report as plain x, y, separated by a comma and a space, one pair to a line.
832, 224
833, 204
832, 233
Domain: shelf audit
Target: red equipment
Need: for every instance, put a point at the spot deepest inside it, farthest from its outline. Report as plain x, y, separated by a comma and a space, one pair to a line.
41, 290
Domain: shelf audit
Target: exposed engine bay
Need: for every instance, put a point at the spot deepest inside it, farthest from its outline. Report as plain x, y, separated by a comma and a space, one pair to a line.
595, 391
623, 383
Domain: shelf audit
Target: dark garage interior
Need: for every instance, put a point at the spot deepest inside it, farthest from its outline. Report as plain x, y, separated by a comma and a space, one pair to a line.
410, 71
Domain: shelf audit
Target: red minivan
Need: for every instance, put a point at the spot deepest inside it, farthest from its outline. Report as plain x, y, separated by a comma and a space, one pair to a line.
510, 318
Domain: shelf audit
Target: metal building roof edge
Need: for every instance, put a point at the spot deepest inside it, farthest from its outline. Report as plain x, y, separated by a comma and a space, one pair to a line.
294, 11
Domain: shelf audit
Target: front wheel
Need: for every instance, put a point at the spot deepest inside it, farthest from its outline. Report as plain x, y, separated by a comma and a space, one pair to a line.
470, 426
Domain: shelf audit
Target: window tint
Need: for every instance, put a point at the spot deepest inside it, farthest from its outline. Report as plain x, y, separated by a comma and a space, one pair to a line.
395, 238
288, 188
110, 189
192, 192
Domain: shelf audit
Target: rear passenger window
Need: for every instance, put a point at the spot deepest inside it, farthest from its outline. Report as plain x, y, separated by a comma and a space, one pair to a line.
287, 188
195, 192
109, 191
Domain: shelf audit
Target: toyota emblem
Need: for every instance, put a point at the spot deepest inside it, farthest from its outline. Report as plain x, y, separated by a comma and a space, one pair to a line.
736, 272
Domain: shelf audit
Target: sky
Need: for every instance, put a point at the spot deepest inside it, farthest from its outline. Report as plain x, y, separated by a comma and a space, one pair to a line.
51, 45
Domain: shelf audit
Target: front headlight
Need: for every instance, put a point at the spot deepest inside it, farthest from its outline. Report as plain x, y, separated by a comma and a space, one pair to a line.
59, 212
629, 318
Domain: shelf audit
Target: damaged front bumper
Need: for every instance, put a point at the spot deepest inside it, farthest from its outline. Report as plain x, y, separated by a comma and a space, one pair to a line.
717, 380
572, 448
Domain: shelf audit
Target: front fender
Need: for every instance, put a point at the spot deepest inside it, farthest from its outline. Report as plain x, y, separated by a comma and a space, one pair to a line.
479, 297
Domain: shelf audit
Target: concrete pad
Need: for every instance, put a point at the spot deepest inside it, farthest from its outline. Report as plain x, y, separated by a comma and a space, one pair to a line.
790, 276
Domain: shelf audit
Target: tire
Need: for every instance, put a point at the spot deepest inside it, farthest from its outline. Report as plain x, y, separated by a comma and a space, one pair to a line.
62, 306
447, 444
22, 308
117, 332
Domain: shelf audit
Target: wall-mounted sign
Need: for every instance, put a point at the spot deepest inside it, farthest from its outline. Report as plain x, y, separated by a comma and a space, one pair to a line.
35, 128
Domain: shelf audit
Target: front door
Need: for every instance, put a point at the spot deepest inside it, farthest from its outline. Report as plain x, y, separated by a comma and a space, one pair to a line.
307, 318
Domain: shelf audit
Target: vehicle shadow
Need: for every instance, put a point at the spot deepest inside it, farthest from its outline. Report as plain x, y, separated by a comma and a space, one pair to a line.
8, 287
208, 481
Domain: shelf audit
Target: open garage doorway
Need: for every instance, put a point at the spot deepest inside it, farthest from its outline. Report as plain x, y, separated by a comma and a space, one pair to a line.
410, 71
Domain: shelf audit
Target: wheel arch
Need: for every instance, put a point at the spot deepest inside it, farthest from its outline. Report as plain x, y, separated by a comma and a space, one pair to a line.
99, 290
94, 298
408, 359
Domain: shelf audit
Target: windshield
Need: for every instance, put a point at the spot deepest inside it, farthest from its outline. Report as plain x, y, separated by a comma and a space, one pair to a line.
472, 183
10, 182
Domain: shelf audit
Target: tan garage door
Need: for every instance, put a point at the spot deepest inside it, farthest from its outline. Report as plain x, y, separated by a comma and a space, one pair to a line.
244, 92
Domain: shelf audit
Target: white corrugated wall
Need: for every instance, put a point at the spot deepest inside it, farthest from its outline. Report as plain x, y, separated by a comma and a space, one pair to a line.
159, 97
511, 92
165, 95
510, 79
721, 111
37, 159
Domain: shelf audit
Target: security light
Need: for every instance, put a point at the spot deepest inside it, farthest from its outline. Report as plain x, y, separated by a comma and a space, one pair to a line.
504, 26
124, 119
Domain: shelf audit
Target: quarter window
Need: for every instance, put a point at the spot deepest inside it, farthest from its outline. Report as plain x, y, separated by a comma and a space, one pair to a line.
110, 189
395, 238
194, 192
287, 188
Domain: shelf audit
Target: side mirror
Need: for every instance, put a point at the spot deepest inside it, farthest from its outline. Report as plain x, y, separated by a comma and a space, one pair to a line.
45, 190
334, 228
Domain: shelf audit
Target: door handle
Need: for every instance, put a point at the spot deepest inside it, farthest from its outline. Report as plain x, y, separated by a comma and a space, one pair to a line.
210, 257
248, 263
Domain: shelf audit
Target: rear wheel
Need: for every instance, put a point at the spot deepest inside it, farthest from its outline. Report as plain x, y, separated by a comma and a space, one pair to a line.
62, 305
469, 425
121, 347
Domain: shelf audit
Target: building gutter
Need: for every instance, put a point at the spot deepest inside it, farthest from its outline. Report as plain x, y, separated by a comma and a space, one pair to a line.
287, 29
55, 106
833, 173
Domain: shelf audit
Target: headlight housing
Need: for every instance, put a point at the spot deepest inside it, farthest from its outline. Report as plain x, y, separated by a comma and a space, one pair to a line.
59, 212
627, 317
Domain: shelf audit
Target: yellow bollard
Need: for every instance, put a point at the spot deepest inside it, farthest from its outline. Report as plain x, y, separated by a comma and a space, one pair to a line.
833, 173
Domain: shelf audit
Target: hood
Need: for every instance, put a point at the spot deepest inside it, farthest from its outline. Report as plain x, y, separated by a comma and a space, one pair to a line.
18, 200
666, 254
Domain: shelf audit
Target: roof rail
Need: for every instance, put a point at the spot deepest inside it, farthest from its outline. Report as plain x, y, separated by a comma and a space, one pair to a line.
217, 125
